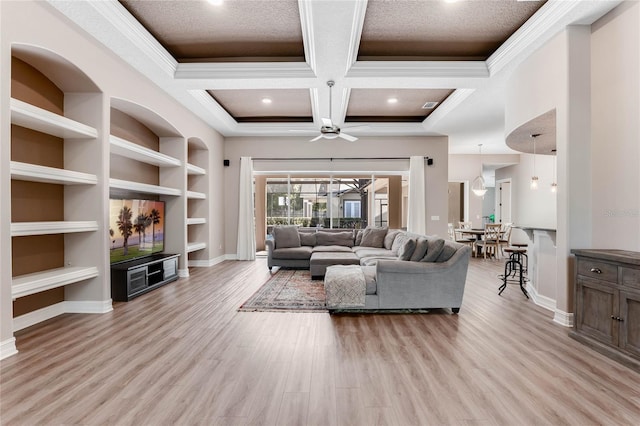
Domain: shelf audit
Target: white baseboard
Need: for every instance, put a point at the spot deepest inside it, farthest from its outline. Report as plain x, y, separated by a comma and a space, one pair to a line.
8, 348
183, 273
88, 307
540, 300
563, 318
209, 262
34, 317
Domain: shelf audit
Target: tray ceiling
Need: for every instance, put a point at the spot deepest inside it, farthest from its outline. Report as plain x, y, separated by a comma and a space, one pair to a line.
222, 61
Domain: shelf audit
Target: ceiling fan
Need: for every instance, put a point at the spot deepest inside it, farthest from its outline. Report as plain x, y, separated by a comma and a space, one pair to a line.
328, 129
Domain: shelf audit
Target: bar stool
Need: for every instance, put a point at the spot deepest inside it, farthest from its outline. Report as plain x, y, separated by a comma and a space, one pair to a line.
523, 256
513, 268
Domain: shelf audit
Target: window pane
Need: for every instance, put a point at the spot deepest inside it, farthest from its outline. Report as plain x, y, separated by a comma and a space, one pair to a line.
277, 201
349, 195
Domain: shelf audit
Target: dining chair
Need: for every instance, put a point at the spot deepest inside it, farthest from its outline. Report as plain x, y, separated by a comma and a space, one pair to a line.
505, 236
464, 225
490, 240
459, 238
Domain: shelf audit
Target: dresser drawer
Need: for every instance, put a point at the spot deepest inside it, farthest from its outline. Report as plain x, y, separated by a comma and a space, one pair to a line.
597, 270
630, 277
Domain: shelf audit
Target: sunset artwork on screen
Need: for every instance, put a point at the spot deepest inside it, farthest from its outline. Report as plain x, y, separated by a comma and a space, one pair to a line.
136, 228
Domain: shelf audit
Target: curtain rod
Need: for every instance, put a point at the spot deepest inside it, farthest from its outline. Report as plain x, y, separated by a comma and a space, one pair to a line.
429, 159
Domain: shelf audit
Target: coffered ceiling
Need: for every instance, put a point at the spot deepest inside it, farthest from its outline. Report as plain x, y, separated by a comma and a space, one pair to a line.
260, 67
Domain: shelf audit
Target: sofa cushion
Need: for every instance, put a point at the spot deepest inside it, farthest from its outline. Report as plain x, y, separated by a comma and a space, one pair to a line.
327, 249
390, 238
406, 249
293, 253
373, 261
358, 237
373, 237
370, 279
421, 249
308, 239
334, 238
447, 252
434, 247
372, 251
286, 236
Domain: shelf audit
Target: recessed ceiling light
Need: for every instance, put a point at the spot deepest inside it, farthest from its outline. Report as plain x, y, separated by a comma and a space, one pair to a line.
392, 100
266, 101
215, 2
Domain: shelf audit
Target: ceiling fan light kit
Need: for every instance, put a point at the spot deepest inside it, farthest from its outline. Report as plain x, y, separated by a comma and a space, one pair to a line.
329, 130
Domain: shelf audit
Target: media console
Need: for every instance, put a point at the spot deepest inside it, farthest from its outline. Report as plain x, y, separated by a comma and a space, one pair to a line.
133, 278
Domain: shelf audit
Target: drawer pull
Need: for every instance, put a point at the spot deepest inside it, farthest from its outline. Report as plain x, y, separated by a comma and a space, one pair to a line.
617, 318
596, 270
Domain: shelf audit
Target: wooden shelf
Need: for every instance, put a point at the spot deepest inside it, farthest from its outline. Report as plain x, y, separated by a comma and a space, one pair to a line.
25, 285
191, 247
35, 173
192, 169
41, 120
196, 220
140, 153
194, 195
143, 187
22, 229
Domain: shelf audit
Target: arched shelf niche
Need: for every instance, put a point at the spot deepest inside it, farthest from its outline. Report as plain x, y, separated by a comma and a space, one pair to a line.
57, 206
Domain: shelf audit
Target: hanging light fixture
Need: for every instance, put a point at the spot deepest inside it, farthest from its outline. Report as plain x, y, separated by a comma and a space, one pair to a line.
534, 178
477, 186
554, 185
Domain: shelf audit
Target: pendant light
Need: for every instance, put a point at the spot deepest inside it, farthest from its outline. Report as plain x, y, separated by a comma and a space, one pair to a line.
554, 185
534, 178
477, 186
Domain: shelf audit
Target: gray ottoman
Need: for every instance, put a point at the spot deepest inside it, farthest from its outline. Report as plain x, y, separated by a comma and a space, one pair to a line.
320, 260
344, 286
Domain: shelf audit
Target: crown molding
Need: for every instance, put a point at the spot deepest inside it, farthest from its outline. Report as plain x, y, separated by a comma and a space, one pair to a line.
421, 69
210, 108
124, 23
449, 104
346, 94
243, 70
315, 106
546, 20
356, 33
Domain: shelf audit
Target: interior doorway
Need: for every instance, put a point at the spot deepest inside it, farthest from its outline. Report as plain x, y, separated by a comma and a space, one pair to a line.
456, 203
503, 201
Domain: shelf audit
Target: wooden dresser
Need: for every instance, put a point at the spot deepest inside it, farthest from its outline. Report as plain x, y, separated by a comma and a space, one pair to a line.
607, 303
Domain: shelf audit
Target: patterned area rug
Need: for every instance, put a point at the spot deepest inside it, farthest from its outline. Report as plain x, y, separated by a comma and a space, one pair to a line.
288, 290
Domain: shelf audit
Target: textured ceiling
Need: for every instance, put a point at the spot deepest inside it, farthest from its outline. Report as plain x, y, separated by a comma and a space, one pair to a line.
233, 31
374, 105
247, 106
437, 30
541, 129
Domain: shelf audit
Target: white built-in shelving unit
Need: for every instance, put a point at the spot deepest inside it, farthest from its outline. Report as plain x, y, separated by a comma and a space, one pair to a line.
197, 203
38, 119
140, 153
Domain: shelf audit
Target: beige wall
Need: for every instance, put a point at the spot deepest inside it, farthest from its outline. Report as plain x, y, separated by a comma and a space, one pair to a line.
434, 147
615, 126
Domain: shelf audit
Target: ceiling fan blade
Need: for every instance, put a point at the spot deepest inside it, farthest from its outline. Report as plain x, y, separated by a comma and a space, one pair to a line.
326, 122
347, 137
364, 126
316, 138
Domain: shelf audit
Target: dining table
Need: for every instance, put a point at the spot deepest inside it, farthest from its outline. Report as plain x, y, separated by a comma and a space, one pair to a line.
477, 233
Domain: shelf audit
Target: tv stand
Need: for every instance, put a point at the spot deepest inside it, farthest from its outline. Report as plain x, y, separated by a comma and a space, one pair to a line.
133, 278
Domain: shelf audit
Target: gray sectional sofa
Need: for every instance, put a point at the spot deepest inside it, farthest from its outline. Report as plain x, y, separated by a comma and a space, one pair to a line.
401, 270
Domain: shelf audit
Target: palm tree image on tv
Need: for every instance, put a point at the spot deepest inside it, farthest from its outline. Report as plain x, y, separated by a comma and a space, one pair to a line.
154, 217
139, 228
130, 220
125, 227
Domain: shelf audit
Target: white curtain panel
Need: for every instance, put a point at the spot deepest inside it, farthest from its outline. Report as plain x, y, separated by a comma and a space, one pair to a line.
416, 217
246, 249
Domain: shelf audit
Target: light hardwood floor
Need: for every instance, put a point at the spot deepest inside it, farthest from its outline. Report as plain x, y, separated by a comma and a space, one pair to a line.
183, 355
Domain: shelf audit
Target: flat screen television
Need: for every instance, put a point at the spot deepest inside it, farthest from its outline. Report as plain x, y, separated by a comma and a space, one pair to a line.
136, 228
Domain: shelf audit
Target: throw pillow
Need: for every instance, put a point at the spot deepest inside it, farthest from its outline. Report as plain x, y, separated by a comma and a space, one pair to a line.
390, 237
421, 249
434, 247
308, 239
359, 237
398, 241
446, 253
373, 237
324, 238
406, 249
286, 236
